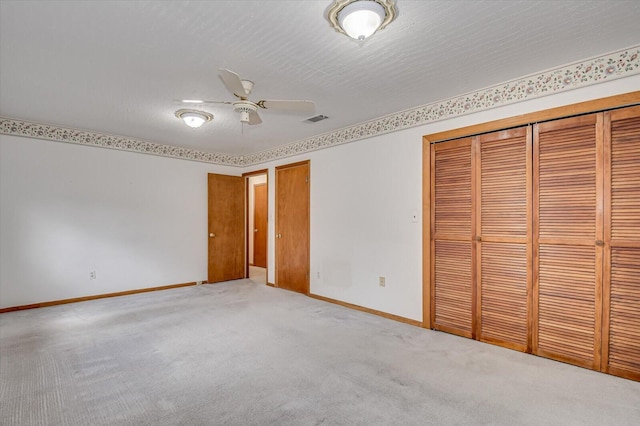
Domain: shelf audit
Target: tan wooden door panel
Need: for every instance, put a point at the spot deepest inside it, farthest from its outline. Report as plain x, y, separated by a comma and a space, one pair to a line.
226, 227
567, 306
453, 290
452, 266
504, 229
292, 227
623, 334
568, 223
621, 328
503, 295
260, 225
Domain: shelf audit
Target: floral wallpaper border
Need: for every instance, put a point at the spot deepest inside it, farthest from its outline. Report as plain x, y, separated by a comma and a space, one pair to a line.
53, 133
604, 68
608, 67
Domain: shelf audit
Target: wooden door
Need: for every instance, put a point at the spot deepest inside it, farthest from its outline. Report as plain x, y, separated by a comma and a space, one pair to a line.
226, 228
260, 225
568, 233
621, 325
452, 260
503, 249
292, 227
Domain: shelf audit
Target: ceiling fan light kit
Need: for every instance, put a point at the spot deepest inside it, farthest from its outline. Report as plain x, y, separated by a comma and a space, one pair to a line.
360, 19
193, 118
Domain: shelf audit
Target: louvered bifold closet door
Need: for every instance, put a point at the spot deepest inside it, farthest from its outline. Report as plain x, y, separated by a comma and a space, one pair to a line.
621, 327
503, 249
568, 233
451, 219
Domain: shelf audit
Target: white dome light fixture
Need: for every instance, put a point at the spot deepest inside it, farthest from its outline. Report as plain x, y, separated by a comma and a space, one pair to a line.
193, 118
360, 19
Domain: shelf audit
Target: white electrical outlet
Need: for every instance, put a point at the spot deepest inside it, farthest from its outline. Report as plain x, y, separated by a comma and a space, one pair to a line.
382, 282
92, 275
318, 275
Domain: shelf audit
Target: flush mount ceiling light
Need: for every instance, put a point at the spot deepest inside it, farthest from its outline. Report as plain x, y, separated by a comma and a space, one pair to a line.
193, 118
359, 19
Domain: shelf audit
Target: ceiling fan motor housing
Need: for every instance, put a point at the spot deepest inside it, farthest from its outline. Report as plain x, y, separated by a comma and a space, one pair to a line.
244, 108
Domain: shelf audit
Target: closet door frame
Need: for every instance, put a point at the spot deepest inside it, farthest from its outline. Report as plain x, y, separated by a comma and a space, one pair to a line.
603, 250
617, 101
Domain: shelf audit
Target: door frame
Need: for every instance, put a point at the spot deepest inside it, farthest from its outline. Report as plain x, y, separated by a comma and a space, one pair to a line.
255, 226
616, 101
249, 232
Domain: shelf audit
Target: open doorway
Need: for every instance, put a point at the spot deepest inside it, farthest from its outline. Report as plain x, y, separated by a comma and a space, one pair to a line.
257, 213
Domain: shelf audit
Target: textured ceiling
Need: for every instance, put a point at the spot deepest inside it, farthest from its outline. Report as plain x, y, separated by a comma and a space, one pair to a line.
117, 67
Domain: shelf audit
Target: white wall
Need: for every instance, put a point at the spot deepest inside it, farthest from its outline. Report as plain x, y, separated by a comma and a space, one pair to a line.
65, 210
363, 195
141, 221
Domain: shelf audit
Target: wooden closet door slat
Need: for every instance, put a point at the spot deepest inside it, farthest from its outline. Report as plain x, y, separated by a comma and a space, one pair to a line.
567, 179
453, 287
504, 230
452, 259
504, 294
621, 332
566, 314
568, 195
452, 198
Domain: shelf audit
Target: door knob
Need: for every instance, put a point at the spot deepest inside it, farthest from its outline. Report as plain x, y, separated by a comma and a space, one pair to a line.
255, 230
212, 235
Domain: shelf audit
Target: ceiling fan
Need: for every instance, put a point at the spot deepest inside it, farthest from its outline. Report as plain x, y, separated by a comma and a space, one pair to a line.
248, 110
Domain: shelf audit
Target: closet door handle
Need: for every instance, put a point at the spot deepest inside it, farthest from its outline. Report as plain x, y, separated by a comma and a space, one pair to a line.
599, 243
479, 239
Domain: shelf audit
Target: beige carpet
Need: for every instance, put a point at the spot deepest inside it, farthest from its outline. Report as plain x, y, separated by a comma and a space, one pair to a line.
246, 354
258, 275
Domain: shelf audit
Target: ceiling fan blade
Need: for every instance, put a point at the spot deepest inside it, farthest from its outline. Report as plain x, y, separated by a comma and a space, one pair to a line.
306, 107
254, 118
217, 102
233, 82
200, 102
